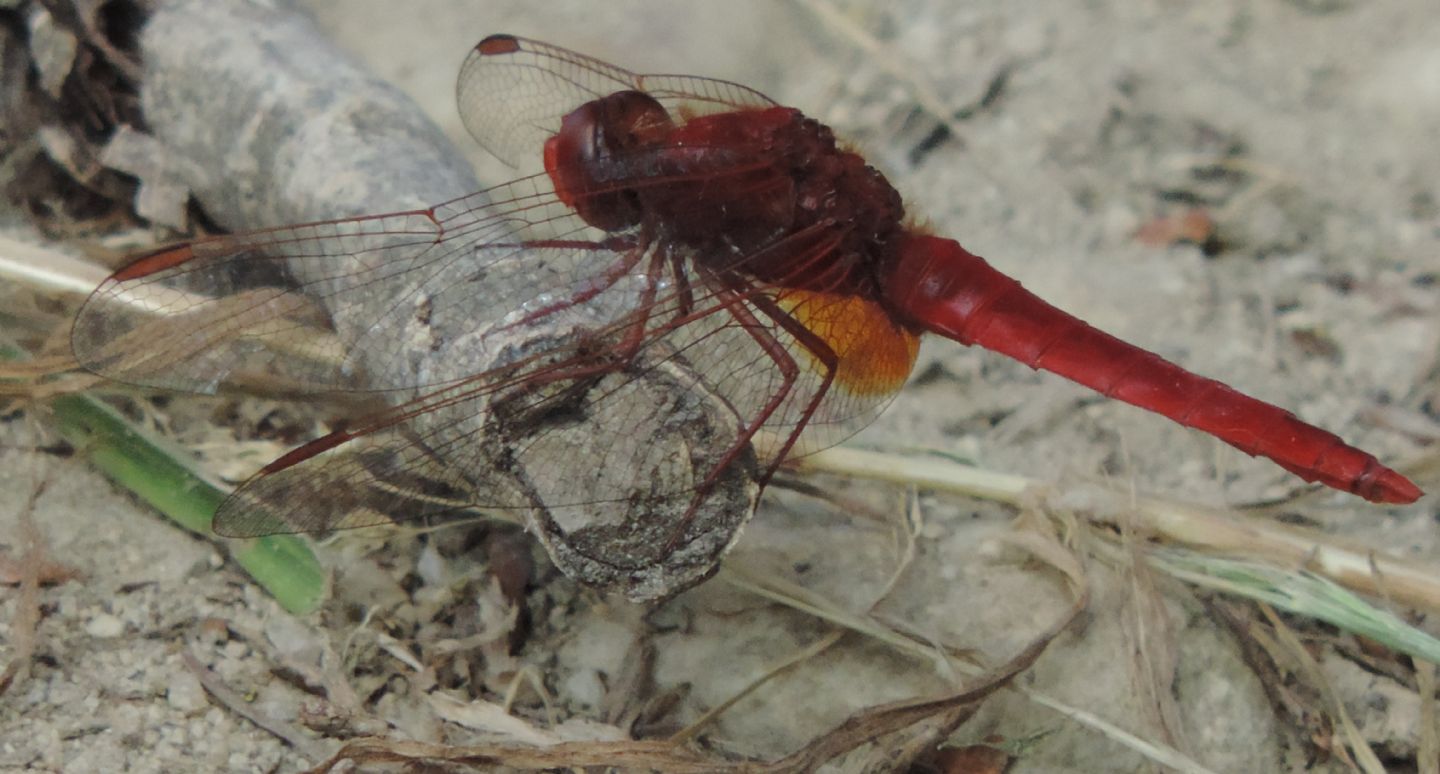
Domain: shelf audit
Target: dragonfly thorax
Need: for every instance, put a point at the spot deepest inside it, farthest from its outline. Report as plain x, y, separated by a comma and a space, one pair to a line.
765, 192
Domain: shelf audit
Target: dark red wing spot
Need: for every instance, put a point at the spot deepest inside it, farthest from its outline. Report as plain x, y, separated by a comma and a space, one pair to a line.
496, 45
298, 455
158, 261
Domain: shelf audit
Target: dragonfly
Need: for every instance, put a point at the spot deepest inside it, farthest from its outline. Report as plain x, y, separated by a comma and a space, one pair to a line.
698, 284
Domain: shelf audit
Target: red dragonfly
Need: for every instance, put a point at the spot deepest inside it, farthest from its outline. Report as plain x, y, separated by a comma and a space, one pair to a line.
700, 283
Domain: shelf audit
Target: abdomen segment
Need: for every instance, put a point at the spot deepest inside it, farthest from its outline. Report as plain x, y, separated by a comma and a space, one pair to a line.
944, 289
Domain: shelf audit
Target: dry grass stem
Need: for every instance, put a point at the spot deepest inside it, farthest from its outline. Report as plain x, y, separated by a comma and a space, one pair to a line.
46, 269
25, 625
1041, 542
1427, 754
1356, 567
914, 521
806, 601
1162, 754
790, 662
1310, 670
55, 272
1152, 640
857, 730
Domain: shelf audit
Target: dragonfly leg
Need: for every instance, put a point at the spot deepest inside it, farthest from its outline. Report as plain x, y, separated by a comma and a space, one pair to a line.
737, 301
605, 280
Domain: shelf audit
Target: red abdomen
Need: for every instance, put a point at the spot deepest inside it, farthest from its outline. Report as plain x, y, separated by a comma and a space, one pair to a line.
941, 287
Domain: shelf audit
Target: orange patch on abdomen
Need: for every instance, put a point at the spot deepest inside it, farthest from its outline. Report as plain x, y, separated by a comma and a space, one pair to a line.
874, 353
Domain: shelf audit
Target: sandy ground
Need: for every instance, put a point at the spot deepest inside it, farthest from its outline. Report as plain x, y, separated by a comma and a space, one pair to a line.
1322, 299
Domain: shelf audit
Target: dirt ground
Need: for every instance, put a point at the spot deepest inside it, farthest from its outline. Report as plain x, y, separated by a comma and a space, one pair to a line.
1305, 130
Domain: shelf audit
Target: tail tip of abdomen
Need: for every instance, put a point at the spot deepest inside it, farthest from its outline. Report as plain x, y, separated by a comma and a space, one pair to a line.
1389, 487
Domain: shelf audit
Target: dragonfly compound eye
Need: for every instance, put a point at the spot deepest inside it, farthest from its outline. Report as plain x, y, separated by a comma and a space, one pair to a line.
597, 147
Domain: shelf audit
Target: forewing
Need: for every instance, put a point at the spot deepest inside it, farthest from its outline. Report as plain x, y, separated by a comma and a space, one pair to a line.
512, 93
372, 303
367, 303
562, 426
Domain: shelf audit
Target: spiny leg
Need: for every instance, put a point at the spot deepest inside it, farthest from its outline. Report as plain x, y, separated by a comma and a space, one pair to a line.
630, 255
733, 298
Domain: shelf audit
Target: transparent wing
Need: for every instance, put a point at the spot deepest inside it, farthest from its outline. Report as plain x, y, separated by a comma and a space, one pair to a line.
575, 370
629, 469
358, 304
567, 419
546, 407
371, 303
805, 370
512, 93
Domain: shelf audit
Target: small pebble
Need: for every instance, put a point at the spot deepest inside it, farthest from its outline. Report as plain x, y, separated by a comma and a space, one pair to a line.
105, 626
185, 693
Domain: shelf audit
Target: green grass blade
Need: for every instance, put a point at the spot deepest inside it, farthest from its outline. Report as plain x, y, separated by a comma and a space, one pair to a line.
161, 474
1303, 593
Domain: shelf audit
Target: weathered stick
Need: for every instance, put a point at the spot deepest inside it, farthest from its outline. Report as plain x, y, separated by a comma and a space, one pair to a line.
268, 123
